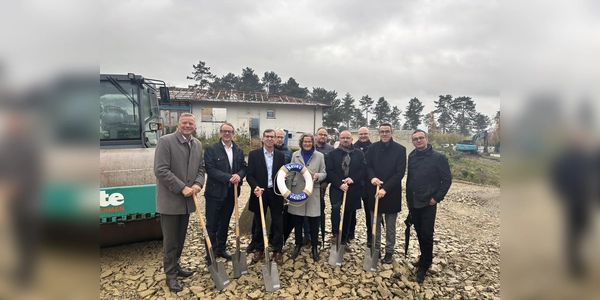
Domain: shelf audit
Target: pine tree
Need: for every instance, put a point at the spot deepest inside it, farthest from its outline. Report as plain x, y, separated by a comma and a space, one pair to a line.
202, 75
443, 107
382, 111
394, 117
249, 81
228, 82
464, 109
271, 81
347, 109
292, 88
332, 116
481, 122
366, 104
413, 114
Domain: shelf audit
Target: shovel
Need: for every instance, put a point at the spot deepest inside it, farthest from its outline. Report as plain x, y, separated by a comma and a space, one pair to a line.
240, 265
372, 256
336, 254
269, 270
217, 269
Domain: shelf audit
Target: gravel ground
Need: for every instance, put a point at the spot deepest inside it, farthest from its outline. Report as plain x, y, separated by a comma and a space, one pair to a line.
466, 262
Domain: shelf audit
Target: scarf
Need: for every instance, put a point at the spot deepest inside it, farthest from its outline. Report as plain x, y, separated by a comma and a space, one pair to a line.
306, 155
346, 160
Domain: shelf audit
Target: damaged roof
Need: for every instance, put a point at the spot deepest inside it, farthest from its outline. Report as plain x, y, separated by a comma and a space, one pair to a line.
192, 94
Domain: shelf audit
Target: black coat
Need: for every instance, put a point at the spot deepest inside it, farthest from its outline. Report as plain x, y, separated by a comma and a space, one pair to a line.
388, 163
219, 172
258, 176
335, 175
428, 177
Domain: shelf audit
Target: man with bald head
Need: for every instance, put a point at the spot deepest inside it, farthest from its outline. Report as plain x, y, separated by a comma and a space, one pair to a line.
346, 169
363, 143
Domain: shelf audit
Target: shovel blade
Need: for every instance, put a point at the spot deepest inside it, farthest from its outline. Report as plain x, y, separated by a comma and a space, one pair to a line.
271, 277
240, 265
370, 261
336, 255
219, 275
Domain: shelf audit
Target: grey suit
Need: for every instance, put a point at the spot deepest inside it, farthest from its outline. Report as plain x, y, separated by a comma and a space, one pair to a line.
177, 164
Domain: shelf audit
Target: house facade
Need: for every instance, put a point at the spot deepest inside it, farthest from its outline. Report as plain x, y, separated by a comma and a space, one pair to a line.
249, 112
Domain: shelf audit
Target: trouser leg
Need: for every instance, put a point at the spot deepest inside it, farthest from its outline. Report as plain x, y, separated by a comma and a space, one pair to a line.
173, 232
377, 230
276, 223
314, 233
424, 225
224, 218
335, 217
298, 224
352, 225
346, 225
390, 232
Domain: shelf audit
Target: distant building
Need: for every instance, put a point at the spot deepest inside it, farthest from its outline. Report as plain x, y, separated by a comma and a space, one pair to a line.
249, 112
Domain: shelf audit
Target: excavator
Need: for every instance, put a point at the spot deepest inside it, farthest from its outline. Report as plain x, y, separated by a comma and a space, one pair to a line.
470, 146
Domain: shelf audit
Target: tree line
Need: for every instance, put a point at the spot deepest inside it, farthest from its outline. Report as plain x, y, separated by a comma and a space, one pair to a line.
451, 114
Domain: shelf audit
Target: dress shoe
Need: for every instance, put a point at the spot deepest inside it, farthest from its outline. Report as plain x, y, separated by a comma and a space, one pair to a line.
174, 285
347, 247
416, 264
334, 238
184, 273
278, 257
421, 274
250, 248
306, 241
387, 259
224, 255
315, 253
296, 251
257, 256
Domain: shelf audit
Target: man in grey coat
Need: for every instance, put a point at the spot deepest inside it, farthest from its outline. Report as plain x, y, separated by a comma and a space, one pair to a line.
179, 171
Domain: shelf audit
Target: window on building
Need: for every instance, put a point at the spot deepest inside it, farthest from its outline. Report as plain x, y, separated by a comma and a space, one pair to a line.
212, 114
270, 114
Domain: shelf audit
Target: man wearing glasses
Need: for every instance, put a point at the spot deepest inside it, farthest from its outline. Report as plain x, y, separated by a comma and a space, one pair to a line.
279, 145
225, 166
428, 181
324, 147
386, 165
363, 144
263, 165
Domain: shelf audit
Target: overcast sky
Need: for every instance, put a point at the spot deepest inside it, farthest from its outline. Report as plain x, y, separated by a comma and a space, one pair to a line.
397, 49
394, 49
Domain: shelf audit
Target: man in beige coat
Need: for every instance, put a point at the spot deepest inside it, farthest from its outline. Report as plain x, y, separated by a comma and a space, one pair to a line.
179, 170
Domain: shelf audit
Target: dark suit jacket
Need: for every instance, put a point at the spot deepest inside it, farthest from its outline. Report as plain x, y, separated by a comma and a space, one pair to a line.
335, 174
219, 172
388, 163
258, 176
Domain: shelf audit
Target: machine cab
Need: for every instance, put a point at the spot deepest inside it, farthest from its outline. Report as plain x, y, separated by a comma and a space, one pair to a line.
129, 114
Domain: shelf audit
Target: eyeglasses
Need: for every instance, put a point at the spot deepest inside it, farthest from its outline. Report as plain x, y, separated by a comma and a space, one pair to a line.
227, 131
385, 131
269, 137
280, 137
418, 138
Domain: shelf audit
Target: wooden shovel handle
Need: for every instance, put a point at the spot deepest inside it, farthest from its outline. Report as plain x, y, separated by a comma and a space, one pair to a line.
202, 222
262, 219
237, 214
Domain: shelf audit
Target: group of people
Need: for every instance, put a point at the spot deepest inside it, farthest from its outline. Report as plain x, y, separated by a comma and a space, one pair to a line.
362, 171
